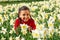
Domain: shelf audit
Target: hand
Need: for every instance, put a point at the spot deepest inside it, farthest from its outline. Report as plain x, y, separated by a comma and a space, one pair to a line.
29, 29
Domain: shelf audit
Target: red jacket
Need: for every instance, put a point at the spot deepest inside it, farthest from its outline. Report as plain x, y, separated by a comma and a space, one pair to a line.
30, 23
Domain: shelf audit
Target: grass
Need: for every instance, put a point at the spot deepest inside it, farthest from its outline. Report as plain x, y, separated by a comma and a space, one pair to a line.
17, 2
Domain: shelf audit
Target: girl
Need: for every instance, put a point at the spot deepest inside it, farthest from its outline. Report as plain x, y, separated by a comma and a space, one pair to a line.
24, 17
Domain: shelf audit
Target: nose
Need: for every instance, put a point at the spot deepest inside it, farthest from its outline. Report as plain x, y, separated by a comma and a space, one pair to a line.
26, 16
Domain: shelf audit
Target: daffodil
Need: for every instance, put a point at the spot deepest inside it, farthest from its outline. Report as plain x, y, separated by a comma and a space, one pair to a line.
1, 8
50, 24
58, 15
18, 38
3, 38
35, 34
43, 32
6, 16
10, 38
59, 33
1, 19
12, 30
24, 26
24, 32
45, 6
22, 38
51, 19
33, 8
51, 31
4, 30
56, 30
41, 26
46, 16
39, 39
11, 22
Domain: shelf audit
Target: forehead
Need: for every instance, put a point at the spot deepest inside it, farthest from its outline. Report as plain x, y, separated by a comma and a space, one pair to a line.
25, 11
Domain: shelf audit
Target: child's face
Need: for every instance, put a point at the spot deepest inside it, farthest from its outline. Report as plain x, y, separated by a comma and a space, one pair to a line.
24, 15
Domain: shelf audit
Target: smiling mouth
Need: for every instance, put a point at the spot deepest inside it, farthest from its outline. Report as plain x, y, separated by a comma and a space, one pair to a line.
25, 19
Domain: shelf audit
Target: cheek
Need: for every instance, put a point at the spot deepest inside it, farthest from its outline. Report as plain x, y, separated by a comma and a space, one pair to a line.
28, 17
20, 16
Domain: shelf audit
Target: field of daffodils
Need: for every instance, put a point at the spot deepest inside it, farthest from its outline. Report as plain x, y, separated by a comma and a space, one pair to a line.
46, 15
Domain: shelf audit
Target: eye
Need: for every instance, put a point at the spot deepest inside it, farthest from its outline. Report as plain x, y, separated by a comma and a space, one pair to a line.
23, 14
27, 14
